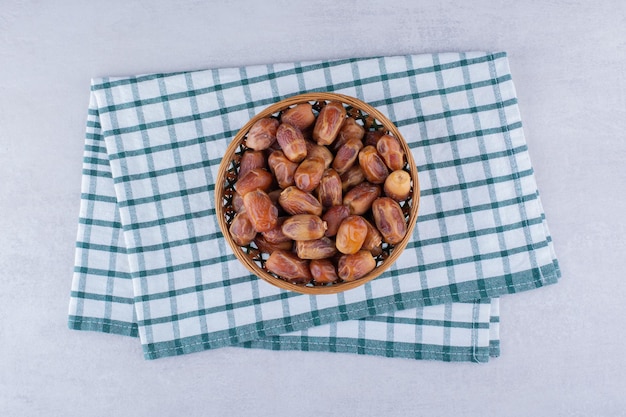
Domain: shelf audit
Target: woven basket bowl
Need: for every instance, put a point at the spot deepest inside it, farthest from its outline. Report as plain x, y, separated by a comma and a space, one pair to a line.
250, 256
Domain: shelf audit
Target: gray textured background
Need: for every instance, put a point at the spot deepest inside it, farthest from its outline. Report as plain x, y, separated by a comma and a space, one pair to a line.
562, 346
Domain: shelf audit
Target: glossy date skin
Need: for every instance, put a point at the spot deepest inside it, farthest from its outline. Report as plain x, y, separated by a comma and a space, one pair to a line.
389, 220
288, 266
354, 266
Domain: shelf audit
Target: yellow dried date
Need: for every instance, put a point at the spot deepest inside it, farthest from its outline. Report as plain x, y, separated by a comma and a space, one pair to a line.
354, 266
289, 267
328, 123
351, 234
389, 219
304, 227
398, 185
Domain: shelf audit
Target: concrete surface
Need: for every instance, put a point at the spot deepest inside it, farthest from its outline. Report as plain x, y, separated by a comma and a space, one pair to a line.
562, 346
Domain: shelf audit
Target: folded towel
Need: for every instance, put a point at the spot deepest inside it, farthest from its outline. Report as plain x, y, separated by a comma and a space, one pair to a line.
152, 262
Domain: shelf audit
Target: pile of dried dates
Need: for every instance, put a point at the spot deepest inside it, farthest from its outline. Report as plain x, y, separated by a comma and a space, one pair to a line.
319, 194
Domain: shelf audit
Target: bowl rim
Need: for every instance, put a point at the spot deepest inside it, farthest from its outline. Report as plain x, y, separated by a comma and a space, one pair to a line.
273, 109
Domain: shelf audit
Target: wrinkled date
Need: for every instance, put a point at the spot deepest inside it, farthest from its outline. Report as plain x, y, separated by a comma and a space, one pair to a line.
309, 173
262, 134
328, 123
318, 151
304, 227
354, 266
275, 234
257, 178
329, 191
360, 198
292, 142
287, 265
347, 155
389, 220
323, 271
241, 229
391, 151
333, 218
373, 240
251, 160
296, 201
262, 212
282, 168
373, 166
300, 116
316, 249
267, 247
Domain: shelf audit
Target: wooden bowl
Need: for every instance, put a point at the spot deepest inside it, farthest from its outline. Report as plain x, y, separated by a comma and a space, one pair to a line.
250, 256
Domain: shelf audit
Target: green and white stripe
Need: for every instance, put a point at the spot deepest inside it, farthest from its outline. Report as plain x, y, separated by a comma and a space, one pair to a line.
151, 261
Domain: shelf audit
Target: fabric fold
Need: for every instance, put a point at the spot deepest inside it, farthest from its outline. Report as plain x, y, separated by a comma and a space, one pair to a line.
152, 262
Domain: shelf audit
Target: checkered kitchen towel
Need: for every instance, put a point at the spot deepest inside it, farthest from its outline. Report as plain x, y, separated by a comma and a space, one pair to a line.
151, 261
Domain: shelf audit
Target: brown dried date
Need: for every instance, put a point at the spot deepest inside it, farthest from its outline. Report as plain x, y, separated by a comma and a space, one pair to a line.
323, 271
398, 185
351, 234
275, 234
372, 137
241, 229
349, 130
373, 166
352, 177
328, 123
262, 134
301, 116
264, 246
373, 240
237, 201
296, 201
262, 212
251, 160
315, 249
354, 266
288, 266
391, 152
333, 218
347, 155
329, 191
360, 198
291, 141
318, 151
309, 173
389, 220
257, 178
304, 227
282, 168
